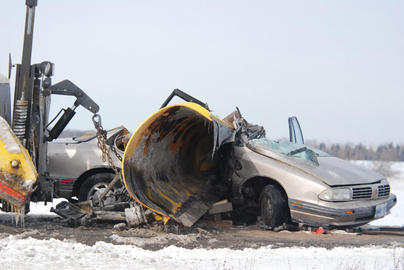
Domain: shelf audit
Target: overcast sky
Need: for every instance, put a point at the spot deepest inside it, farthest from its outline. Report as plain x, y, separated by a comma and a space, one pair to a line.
337, 65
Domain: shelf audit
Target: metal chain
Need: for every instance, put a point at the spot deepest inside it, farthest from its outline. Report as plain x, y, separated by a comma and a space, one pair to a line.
113, 149
102, 143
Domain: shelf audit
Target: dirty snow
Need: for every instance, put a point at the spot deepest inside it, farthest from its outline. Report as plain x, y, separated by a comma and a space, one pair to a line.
158, 239
24, 252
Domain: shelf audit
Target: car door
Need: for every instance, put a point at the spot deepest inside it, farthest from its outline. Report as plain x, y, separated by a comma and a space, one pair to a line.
295, 132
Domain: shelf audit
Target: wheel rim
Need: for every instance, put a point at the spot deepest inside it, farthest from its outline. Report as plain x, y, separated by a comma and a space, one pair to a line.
97, 189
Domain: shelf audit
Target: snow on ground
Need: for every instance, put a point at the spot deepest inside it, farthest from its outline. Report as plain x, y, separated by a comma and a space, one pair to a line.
41, 209
19, 253
30, 253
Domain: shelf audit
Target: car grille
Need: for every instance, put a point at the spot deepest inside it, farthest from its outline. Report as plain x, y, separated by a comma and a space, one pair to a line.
383, 190
361, 193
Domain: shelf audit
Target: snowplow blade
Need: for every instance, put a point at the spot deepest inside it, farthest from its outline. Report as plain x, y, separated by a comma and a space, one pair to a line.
17, 172
175, 162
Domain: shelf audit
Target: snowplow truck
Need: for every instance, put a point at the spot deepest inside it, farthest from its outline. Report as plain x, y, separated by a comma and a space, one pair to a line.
25, 127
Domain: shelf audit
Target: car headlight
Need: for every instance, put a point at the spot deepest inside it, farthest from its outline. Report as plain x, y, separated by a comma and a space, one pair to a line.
336, 195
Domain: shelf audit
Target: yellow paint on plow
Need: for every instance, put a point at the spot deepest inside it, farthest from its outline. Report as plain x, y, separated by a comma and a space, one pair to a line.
137, 137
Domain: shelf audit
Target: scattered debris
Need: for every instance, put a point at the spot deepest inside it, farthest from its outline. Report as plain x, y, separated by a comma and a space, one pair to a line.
319, 230
120, 226
135, 215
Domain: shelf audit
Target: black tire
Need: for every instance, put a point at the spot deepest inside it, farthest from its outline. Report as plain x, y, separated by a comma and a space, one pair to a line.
94, 183
274, 208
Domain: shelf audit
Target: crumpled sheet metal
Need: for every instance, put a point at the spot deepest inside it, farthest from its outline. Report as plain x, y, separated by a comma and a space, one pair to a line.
170, 165
17, 172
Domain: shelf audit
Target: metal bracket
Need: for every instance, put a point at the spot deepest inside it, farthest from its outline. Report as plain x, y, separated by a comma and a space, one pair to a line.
184, 96
68, 88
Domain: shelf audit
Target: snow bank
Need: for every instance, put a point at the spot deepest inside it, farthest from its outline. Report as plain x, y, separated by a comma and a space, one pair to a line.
36, 254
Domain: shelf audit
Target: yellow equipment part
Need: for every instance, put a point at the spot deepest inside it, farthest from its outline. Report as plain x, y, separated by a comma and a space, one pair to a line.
170, 164
17, 172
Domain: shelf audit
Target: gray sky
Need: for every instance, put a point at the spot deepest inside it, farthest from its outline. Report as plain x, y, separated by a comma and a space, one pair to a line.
337, 65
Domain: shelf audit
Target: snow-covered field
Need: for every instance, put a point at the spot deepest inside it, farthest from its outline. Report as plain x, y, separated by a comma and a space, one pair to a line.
17, 252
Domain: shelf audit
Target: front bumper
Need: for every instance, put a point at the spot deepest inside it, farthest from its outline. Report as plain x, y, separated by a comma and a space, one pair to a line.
334, 214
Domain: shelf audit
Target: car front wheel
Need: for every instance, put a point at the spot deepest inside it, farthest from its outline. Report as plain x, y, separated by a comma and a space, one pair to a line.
274, 208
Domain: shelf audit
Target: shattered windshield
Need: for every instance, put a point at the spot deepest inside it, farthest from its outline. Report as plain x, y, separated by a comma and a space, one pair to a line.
288, 148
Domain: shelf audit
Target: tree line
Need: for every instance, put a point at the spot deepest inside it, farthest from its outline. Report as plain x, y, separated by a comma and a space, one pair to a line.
382, 152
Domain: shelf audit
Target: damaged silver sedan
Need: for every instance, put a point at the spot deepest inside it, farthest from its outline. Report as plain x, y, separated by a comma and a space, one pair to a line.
295, 182
183, 159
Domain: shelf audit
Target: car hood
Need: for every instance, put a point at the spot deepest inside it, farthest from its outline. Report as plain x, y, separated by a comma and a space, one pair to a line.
335, 171
331, 170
